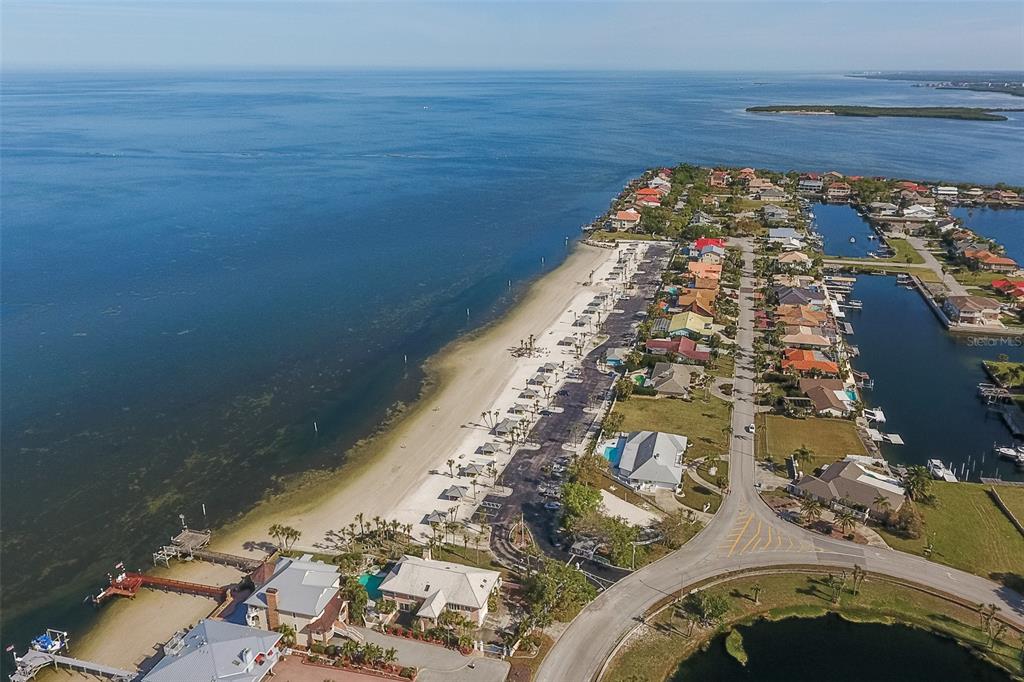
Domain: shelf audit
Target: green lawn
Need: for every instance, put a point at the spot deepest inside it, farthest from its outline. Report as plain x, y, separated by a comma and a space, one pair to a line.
828, 439
702, 421
904, 252
977, 278
1013, 498
696, 495
1009, 374
665, 644
722, 469
605, 236
725, 366
968, 531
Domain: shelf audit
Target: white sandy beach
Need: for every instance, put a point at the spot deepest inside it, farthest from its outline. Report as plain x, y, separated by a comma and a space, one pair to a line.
394, 481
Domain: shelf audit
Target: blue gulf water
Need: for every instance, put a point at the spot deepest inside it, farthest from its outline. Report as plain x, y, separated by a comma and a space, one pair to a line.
926, 380
195, 267
837, 223
1004, 225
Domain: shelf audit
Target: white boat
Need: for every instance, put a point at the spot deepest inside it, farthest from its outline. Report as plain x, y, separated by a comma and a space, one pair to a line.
938, 470
853, 239
1015, 455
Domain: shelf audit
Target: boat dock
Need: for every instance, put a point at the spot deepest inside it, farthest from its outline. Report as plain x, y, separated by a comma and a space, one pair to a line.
192, 544
35, 660
875, 415
128, 584
879, 437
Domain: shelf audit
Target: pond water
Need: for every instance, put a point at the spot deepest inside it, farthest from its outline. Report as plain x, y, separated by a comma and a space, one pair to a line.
838, 223
926, 380
1005, 225
830, 648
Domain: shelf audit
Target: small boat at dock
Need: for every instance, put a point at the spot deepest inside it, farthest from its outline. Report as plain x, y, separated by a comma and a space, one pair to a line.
939, 471
1013, 454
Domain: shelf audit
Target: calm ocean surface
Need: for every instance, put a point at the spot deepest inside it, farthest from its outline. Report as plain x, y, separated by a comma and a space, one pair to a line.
195, 267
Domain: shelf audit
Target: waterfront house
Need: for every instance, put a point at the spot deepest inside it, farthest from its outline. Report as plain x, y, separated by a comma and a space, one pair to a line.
852, 485
303, 594
806, 339
1002, 196
774, 215
837, 191
808, 362
945, 192
810, 183
217, 651
919, 212
659, 182
793, 259
945, 224
908, 186
648, 202
624, 221
973, 194
786, 237
746, 174
690, 324
427, 588
882, 208
652, 460
829, 397
800, 296
983, 259
800, 315
670, 379
978, 310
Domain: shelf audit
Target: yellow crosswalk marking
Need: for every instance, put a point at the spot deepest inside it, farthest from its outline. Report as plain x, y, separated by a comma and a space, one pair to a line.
740, 536
753, 540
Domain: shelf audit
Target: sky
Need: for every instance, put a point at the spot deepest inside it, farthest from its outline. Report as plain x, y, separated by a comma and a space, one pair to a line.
763, 35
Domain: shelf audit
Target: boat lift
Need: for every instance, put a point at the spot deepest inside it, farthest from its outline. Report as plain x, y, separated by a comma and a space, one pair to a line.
875, 415
45, 652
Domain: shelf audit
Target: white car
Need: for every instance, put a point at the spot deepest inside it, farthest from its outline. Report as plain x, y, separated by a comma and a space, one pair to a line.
750, 428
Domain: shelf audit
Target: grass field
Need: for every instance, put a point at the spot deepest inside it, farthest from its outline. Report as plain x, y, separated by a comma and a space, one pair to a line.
976, 278
968, 532
1013, 498
701, 421
721, 469
665, 643
605, 236
1008, 374
696, 496
904, 252
828, 439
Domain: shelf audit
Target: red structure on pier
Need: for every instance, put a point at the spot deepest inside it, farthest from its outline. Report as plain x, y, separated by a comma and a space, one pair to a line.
127, 584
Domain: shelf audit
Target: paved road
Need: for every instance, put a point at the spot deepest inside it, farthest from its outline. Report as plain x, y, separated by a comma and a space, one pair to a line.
954, 287
744, 534
573, 405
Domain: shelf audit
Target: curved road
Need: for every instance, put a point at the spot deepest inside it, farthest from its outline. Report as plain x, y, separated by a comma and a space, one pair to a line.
744, 534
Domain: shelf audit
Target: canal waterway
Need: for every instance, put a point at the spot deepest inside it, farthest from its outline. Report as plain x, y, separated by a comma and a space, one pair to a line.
926, 379
838, 224
827, 649
1004, 225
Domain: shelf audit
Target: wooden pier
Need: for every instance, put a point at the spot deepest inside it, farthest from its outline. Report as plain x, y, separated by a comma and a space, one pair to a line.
192, 544
32, 662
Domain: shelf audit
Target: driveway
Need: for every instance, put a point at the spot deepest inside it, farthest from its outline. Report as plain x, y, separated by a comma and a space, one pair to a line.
436, 663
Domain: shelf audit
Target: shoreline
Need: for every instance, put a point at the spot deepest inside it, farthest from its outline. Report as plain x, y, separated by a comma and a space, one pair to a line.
378, 473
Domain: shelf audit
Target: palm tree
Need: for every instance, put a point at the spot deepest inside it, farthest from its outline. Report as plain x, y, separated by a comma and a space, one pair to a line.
810, 509
846, 520
359, 518
451, 467
917, 482
288, 634
803, 454
882, 503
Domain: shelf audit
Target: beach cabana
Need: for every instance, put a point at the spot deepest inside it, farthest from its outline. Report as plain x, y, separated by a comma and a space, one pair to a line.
474, 470
489, 449
436, 517
455, 493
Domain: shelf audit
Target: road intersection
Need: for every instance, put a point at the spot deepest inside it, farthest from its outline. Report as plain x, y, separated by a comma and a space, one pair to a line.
744, 534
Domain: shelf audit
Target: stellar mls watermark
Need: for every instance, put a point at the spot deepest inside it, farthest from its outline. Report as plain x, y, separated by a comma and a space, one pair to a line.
994, 341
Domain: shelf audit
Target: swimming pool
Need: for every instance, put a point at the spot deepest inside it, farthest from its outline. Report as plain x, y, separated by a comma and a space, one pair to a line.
612, 454
372, 584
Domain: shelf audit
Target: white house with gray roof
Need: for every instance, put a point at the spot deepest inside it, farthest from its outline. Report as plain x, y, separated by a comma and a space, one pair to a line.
302, 593
217, 650
652, 459
427, 587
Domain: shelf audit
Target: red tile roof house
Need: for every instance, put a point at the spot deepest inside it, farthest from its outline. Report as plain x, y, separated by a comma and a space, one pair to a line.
1014, 288
649, 192
972, 310
807, 362
683, 346
986, 260
625, 220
